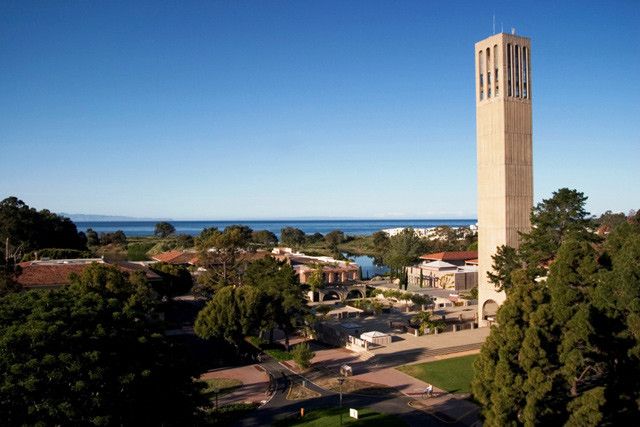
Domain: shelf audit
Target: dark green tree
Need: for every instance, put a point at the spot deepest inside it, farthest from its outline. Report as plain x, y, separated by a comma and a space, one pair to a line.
286, 304
176, 279
380, 246
554, 220
404, 249
92, 237
316, 279
566, 344
56, 254
293, 237
264, 238
115, 238
164, 229
334, 238
92, 354
314, 238
302, 355
269, 298
218, 252
7, 284
28, 229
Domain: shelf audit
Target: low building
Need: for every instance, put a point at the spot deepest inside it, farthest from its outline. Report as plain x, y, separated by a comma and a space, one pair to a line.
192, 258
177, 257
45, 274
444, 270
452, 257
340, 277
334, 272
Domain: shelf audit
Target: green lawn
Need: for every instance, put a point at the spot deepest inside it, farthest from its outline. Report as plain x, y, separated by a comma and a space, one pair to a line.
224, 386
331, 418
453, 375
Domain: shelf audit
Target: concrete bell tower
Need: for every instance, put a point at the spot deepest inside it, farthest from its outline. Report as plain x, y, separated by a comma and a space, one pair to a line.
505, 169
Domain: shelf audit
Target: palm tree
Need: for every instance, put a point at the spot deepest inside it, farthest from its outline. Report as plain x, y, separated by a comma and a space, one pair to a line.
424, 321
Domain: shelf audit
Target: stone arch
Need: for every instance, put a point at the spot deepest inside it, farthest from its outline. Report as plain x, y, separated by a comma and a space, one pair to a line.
355, 293
331, 296
489, 309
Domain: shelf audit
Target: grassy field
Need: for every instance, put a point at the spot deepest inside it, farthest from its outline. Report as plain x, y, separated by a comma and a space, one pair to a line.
224, 386
331, 418
453, 375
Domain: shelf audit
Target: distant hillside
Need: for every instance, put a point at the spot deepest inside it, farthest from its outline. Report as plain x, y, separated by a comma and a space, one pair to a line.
97, 218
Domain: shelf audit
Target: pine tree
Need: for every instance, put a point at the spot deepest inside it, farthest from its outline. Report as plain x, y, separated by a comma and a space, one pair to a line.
566, 347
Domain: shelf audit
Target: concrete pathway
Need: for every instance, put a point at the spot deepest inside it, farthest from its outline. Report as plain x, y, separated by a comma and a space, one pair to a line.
430, 343
445, 407
254, 388
278, 407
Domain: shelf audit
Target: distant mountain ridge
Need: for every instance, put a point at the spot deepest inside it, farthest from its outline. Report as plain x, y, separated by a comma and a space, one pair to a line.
96, 218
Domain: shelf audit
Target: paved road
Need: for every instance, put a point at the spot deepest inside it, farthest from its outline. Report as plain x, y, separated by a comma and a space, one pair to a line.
278, 406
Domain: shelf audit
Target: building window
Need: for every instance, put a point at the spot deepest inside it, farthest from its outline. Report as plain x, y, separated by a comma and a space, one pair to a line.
509, 92
516, 58
495, 67
481, 72
495, 61
525, 72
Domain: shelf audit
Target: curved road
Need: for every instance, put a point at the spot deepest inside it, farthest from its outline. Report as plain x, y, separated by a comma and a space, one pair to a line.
279, 407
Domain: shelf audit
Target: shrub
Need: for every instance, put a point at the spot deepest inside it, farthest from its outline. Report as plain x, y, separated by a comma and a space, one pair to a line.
302, 355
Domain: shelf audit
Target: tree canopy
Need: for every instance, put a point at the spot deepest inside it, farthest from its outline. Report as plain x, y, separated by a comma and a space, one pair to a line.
176, 279
91, 354
334, 238
553, 221
293, 237
29, 229
566, 347
264, 238
269, 298
403, 250
219, 252
164, 229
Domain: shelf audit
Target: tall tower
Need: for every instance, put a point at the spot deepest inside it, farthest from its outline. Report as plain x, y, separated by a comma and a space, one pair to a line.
505, 173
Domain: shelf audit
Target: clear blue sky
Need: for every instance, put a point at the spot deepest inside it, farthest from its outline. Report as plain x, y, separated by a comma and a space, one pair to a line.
271, 109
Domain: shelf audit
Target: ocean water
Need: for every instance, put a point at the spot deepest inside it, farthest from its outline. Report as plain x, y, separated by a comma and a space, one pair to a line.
350, 227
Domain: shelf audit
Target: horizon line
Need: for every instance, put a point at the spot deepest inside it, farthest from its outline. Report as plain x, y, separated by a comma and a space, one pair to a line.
299, 219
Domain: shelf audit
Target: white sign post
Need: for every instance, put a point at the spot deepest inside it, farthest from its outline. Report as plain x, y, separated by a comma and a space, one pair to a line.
353, 413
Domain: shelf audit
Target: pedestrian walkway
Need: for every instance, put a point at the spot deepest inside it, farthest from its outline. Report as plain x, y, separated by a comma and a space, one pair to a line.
391, 377
434, 343
255, 383
447, 407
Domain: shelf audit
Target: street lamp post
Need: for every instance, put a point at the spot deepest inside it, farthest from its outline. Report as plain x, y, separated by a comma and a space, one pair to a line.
216, 391
340, 382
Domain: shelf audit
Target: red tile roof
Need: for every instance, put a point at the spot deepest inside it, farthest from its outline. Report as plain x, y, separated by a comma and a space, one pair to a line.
35, 275
176, 257
47, 275
451, 256
472, 261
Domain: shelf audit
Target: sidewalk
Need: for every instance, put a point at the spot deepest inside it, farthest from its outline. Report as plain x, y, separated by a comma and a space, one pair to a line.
255, 383
447, 407
425, 344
